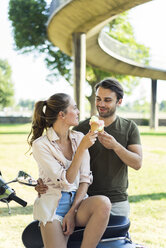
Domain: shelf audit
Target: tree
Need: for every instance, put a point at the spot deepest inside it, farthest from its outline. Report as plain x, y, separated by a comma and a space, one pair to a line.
6, 85
27, 104
29, 28
28, 20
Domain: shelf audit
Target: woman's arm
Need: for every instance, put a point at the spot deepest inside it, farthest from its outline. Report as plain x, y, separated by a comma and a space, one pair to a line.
47, 161
87, 141
69, 219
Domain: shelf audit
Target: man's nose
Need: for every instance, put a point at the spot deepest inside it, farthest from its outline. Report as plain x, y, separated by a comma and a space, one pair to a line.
101, 103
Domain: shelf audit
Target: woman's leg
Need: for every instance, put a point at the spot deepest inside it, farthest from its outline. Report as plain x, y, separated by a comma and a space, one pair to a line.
93, 213
52, 235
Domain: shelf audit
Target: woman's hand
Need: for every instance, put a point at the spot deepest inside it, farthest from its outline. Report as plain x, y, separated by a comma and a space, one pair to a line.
88, 140
68, 224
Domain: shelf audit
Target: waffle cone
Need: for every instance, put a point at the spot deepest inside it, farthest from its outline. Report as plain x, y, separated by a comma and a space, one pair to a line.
94, 127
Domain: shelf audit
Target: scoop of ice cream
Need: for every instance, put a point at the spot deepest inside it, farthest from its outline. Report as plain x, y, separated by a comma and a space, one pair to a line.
96, 124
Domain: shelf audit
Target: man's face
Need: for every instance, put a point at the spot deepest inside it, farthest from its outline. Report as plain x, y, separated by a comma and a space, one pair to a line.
106, 102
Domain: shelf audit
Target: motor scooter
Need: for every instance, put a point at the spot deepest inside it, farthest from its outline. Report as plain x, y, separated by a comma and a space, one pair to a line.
8, 194
116, 234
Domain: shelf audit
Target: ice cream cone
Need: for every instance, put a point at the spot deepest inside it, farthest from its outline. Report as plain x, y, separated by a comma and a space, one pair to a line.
96, 124
94, 127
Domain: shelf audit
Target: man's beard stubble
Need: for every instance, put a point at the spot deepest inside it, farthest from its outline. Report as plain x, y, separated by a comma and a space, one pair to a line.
107, 114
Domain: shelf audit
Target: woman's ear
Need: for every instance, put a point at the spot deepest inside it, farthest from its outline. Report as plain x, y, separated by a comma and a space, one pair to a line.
61, 114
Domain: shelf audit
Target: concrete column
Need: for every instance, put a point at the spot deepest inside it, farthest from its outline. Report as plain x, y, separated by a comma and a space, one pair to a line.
154, 106
79, 58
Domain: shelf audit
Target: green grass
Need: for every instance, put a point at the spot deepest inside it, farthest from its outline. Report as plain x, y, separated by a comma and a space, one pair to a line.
147, 187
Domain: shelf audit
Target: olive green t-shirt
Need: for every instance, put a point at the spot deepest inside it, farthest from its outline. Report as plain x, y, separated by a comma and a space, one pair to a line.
110, 174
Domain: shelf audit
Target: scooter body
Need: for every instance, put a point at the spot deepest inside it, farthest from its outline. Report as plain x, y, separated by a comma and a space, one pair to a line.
7, 194
115, 236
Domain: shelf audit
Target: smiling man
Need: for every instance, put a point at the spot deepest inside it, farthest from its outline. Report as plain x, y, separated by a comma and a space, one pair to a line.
116, 149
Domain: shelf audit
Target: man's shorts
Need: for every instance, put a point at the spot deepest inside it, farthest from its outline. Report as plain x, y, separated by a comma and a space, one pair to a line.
121, 208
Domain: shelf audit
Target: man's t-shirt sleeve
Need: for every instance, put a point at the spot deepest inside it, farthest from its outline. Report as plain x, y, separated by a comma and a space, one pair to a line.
134, 135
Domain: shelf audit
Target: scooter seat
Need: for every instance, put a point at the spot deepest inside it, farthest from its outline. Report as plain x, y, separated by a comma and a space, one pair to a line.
118, 226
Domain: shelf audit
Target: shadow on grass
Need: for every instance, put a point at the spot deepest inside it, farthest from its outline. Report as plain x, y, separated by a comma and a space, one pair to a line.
16, 211
154, 196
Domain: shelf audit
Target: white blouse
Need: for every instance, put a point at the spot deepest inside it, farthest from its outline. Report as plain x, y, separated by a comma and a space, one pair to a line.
52, 169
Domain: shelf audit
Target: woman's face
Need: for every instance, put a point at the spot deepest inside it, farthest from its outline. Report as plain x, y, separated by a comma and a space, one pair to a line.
72, 114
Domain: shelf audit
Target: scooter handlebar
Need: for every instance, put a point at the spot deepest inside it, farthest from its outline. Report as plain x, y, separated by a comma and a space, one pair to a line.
18, 200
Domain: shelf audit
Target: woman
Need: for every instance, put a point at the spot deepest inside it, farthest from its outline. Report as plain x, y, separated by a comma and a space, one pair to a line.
63, 160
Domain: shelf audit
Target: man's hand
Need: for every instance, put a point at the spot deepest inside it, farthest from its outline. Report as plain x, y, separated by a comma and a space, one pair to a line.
107, 140
68, 224
131, 156
41, 188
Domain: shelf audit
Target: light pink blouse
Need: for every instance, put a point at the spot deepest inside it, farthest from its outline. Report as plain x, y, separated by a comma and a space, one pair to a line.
52, 169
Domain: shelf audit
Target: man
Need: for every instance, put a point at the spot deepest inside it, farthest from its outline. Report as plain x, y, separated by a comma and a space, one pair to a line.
116, 149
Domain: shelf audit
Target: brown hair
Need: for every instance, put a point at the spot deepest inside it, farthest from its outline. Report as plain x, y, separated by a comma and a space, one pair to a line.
45, 117
112, 84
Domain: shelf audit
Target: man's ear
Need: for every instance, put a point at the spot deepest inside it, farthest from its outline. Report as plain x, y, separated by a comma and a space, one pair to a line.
119, 102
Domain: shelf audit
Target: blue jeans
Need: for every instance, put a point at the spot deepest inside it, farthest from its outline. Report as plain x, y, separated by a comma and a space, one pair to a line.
64, 204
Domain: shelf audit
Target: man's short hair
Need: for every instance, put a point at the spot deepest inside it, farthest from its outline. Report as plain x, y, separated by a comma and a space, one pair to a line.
112, 84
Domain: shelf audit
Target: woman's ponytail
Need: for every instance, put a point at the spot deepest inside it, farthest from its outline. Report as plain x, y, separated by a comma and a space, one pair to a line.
46, 114
38, 122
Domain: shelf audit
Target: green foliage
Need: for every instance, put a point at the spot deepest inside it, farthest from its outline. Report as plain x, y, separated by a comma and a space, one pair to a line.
6, 85
141, 107
162, 106
58, 63
28, 20
26, 104
121, 30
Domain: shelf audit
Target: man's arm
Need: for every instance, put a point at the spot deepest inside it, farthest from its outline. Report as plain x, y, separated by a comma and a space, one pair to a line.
41, 188
132, 156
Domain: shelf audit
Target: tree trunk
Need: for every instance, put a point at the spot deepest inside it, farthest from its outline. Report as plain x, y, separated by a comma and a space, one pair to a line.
91, 99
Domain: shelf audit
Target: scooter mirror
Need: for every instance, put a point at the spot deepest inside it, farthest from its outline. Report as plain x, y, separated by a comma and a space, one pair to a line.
25, 178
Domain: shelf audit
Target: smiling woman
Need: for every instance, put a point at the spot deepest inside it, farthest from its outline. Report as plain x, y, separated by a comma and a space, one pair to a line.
64, 166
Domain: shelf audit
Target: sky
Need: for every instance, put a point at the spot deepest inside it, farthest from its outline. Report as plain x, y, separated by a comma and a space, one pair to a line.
29, 73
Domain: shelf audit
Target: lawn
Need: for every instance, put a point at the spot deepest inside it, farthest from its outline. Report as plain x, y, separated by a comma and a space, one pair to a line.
147, 192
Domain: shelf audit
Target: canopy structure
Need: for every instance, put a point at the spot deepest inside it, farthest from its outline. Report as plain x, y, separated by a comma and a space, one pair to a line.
75, 26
